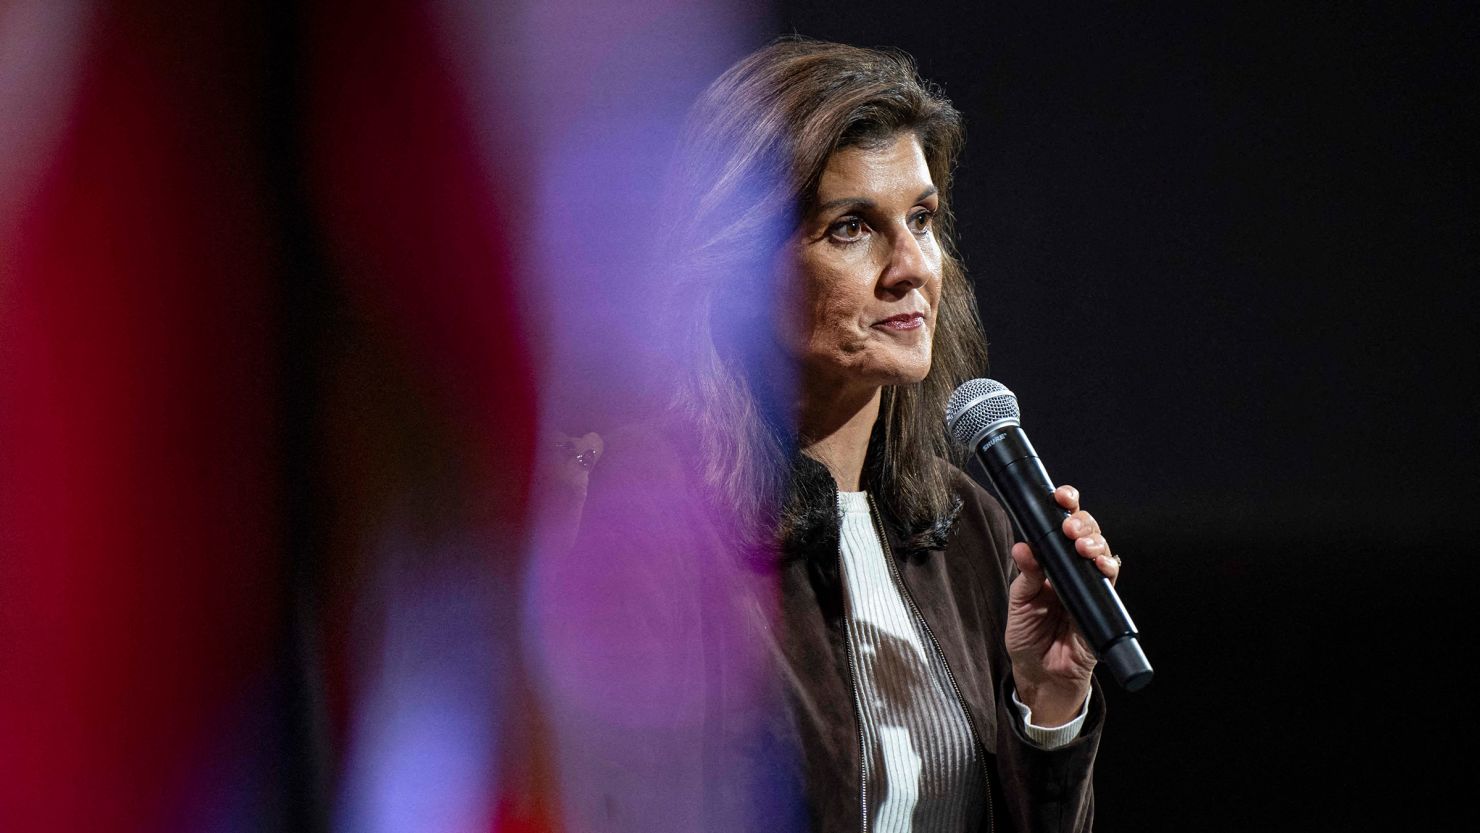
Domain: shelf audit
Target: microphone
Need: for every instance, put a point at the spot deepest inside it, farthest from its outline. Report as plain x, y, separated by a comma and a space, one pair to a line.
983, 416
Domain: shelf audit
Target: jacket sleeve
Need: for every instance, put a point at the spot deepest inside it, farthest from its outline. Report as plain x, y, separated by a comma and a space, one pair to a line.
1048, 790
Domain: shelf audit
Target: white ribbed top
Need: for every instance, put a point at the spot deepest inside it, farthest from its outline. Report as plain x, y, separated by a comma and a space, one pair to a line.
923, 771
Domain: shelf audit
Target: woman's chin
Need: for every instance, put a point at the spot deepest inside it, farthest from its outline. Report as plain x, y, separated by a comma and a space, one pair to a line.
910, 369
880, 371
911, 378
900, 374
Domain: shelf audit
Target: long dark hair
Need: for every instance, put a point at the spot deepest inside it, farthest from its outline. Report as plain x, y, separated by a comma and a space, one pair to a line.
750, 160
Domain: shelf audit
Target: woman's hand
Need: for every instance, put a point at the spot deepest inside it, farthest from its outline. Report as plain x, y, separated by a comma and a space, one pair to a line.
562, 473
1051, 662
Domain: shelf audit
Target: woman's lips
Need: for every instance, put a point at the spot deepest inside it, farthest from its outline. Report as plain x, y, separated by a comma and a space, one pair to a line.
903, 321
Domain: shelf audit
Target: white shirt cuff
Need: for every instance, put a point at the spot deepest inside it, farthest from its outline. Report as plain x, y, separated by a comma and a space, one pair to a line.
1051, 737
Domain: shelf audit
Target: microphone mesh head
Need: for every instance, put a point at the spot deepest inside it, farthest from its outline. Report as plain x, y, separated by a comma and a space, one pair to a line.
978, 405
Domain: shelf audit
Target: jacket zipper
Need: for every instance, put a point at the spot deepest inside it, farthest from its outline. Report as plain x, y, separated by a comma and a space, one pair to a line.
950, 676
857, 708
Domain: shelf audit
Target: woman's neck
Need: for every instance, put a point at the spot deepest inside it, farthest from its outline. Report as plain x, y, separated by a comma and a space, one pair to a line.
836, 426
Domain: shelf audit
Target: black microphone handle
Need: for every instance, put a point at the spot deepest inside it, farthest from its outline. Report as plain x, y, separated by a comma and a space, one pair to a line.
1022, 482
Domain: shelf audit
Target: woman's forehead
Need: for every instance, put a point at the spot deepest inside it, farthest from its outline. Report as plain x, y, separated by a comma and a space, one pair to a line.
894, 169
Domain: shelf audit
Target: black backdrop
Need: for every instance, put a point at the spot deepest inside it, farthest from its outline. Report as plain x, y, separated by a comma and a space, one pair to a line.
1224, 258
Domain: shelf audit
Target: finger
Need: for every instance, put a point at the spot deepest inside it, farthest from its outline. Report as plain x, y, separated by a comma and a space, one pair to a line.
1081, 524
587, 450
591, 442
1027, 562
1032, 584
1109, 566
1092, 546
1067, 497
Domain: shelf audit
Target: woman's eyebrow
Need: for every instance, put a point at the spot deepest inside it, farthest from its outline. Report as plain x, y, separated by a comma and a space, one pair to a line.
856, 202
866, 203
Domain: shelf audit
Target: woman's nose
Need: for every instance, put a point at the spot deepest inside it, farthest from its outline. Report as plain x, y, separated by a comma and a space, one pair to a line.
908, 267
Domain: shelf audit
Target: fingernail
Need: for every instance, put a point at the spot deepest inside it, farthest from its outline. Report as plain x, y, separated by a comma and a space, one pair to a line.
1073, 493
1088, 541
1075, 526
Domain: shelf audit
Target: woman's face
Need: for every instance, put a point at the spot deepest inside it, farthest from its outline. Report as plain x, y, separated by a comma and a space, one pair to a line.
871, 267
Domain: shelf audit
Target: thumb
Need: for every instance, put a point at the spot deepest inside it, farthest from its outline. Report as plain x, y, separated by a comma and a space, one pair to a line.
1031, 579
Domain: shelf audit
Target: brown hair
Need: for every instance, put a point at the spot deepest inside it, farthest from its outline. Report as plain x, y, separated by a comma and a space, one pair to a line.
750, 160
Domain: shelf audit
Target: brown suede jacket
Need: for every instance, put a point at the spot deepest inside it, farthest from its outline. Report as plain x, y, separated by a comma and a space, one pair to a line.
725, 696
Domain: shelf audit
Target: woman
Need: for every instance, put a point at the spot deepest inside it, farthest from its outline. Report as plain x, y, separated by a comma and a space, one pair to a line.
805, 617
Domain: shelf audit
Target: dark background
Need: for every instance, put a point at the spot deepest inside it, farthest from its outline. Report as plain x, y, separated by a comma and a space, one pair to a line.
1224, 257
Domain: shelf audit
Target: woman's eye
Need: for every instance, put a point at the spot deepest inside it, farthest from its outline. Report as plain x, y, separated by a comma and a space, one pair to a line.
847, 230
920, 222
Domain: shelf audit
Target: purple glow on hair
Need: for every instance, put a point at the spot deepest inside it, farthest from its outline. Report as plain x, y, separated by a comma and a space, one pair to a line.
596, 94
617, 646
